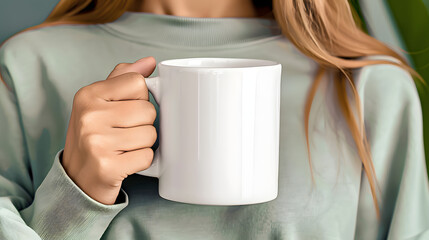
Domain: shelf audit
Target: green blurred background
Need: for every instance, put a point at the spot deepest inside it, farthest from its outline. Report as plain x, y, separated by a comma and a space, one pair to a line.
402, 24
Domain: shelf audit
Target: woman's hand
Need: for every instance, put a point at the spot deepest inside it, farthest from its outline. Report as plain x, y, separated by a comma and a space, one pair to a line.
111, 131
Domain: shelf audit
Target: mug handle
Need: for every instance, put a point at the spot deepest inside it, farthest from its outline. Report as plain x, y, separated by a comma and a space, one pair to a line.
153, 170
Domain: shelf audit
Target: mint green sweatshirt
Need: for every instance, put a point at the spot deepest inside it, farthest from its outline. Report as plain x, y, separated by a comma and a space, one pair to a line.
42, 70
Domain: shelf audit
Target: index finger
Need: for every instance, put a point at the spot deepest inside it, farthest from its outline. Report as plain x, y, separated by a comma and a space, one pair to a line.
144, 66
127, 86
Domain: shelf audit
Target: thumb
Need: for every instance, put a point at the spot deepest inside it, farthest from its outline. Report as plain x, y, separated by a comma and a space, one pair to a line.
144, 66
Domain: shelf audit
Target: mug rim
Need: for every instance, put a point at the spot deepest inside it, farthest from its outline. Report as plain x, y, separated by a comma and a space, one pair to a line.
257, 63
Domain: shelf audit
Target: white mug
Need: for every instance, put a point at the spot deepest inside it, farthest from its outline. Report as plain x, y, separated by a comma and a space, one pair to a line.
219, 130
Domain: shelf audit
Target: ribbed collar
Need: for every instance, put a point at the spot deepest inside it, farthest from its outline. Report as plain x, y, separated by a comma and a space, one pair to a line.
186, 32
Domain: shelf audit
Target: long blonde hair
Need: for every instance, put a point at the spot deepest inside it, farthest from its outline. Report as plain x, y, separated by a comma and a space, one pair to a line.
325, 30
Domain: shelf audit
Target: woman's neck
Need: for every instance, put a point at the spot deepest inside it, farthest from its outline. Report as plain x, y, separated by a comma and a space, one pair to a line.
196, 8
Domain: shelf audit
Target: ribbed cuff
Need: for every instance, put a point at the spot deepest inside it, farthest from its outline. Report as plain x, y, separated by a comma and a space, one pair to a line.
61, 210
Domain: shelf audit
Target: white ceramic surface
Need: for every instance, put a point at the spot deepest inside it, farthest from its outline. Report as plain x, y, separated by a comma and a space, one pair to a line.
219, 130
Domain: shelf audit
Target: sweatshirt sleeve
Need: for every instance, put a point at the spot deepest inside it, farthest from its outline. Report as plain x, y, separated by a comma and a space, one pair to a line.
393, 119
61, 210
57, 209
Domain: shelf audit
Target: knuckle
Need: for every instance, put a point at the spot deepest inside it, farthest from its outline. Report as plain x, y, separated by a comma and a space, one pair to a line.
87, 119
102, 167
82, 95
138, 79
93, 142
120, 66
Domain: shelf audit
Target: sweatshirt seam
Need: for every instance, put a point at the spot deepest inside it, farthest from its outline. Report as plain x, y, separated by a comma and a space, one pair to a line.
27, 159
243, 44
